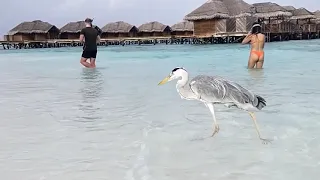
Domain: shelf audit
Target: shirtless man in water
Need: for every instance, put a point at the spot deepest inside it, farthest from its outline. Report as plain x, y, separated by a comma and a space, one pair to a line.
257, 41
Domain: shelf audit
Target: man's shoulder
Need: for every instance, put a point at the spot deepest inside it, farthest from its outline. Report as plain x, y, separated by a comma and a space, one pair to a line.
86, 28
83, 30
93, 31
89, 29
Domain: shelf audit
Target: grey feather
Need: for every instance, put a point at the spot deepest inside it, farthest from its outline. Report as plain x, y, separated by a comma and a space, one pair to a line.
217, 90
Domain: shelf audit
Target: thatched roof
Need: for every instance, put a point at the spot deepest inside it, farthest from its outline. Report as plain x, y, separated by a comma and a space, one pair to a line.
317, 14
119, 27
183, 26
209, 10
153, 26
302, 13
268, 9
289, 8
221, 9
36, 26
73, 27
238, 8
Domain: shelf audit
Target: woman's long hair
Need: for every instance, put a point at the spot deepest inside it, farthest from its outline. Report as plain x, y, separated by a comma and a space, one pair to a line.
256, 28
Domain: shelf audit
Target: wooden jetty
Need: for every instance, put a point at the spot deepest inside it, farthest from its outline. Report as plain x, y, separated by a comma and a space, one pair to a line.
218, 38
56, 43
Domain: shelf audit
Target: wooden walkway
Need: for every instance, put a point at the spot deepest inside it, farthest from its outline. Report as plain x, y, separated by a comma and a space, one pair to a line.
222, 38
56, 43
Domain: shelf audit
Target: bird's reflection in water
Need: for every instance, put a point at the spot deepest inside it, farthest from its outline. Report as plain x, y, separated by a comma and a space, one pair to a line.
92, 86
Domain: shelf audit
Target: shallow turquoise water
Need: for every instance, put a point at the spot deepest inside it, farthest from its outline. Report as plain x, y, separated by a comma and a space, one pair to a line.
61, 121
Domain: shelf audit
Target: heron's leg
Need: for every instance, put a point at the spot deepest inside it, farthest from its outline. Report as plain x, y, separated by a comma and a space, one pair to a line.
264, 141
215, 124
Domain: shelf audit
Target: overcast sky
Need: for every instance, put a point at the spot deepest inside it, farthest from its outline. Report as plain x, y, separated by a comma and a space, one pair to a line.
136, 12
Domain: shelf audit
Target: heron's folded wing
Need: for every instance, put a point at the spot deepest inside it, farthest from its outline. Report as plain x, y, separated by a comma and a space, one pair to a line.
238, 93
217, 89
207, 89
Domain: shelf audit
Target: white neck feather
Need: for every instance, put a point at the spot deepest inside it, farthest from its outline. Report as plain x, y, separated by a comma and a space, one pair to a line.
184, 79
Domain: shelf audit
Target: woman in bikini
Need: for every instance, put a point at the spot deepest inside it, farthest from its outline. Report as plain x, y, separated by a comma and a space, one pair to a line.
257, 40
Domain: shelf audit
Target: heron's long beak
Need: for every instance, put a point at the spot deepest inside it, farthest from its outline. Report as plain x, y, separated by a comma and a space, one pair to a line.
164, 80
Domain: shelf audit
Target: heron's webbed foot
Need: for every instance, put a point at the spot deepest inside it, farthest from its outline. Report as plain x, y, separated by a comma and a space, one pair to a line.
265, 141
216, 130
229, 105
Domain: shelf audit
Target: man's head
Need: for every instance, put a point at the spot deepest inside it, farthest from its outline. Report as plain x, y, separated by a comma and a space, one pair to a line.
88, 22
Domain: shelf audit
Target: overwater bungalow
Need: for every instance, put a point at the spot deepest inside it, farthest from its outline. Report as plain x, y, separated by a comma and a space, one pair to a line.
317, 20
119, 29
33, 31
301, 18
216, 17
154, 29
72, 30
241, 16
209, 19
182, 29
275, 18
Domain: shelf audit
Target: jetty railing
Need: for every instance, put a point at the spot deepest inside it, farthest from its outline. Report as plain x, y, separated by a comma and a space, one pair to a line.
218, 38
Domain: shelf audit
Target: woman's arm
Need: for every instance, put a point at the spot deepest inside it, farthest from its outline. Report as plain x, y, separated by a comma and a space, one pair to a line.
247, 39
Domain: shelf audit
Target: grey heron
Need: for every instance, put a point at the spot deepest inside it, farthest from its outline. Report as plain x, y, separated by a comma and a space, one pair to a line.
213, 90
